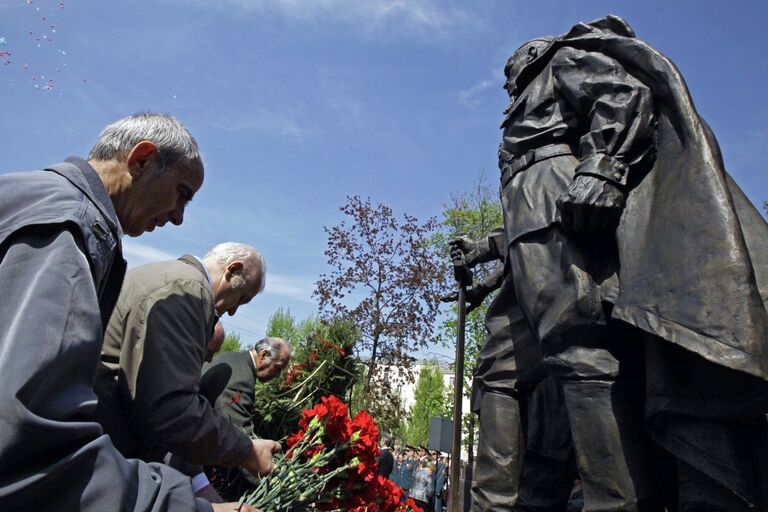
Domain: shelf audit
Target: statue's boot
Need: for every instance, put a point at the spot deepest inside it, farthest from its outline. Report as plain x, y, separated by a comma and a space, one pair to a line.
549, 465
546, 483
609, 445
499, 454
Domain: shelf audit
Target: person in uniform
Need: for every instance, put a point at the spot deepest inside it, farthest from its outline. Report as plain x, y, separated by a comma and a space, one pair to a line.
61, 269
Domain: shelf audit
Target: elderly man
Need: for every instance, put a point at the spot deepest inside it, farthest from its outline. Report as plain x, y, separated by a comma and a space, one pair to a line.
154, 348
264, 362
61, 269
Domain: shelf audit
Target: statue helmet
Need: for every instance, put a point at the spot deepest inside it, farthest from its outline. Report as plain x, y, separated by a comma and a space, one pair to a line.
523, 57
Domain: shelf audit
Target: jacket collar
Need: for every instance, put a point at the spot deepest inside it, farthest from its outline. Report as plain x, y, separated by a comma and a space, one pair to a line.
194, 262
79, 172
252, 363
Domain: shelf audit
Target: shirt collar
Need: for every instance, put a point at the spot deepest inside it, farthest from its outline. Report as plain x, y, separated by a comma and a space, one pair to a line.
205, 269
254, 361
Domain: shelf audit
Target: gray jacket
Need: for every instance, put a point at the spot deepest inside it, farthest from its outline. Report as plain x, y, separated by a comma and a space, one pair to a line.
60, 271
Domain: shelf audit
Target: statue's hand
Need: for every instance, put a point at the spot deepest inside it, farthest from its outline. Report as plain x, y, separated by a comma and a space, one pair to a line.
473, 296
591, 204
463, 245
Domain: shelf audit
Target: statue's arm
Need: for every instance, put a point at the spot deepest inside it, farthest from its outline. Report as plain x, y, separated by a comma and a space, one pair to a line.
616, 114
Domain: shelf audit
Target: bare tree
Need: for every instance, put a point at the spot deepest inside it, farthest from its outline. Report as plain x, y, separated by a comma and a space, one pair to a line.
386, 276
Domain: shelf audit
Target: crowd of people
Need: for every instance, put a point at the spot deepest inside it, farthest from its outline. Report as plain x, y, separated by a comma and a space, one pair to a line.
421, 474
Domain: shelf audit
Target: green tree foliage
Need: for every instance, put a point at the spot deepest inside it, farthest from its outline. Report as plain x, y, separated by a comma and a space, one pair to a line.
231, 343
282, 324
428, 401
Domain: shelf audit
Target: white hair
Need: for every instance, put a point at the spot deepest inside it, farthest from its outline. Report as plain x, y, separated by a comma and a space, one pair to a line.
273, 346
173, 141
226, 253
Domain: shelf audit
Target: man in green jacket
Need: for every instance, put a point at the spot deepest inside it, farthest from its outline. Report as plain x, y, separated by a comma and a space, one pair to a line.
155, 345
264, 362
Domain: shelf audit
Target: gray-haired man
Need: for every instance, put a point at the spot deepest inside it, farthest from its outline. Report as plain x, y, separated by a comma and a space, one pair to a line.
264, 362
154, 348
61, 269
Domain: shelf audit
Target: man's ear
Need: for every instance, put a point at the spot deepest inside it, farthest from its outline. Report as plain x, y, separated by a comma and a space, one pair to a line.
234, 267
141, 153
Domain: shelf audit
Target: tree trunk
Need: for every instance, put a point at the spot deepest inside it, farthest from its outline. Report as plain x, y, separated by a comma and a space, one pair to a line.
372, 365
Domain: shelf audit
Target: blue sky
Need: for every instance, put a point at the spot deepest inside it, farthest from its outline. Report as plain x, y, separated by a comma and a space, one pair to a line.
299, 103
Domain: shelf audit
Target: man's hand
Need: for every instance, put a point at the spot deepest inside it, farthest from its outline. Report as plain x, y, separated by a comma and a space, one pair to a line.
463, 245
259, 461
474, 298
591, 205
232, 507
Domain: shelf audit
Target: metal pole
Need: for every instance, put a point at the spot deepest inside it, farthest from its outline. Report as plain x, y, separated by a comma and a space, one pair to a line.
464, 278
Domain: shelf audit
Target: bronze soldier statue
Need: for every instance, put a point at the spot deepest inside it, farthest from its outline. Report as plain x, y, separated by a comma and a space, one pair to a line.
524, 454
640, 268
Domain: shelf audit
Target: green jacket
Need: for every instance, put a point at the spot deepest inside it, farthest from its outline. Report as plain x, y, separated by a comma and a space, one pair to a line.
154, 349
236, 401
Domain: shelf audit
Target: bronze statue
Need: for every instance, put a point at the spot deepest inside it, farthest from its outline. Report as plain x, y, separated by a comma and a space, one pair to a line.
531, 465
642, 271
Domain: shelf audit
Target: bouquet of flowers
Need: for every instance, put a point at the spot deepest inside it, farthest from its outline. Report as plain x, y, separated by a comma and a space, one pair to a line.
330, 465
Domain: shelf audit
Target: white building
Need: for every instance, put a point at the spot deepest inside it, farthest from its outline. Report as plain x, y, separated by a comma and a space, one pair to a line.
406, 387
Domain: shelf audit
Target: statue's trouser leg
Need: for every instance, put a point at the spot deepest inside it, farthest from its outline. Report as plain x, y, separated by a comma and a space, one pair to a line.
549, 466
607, 429
499, 454
608, 441
563, 284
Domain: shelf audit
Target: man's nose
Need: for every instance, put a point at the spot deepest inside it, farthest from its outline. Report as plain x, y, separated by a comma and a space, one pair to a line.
177, 215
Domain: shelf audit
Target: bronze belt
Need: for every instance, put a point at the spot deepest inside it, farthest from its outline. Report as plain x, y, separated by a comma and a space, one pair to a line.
513, 164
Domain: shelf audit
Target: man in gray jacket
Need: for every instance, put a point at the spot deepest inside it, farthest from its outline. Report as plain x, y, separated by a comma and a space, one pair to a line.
61, 269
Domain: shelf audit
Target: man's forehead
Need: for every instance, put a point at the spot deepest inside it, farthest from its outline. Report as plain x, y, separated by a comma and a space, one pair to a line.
191, 174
